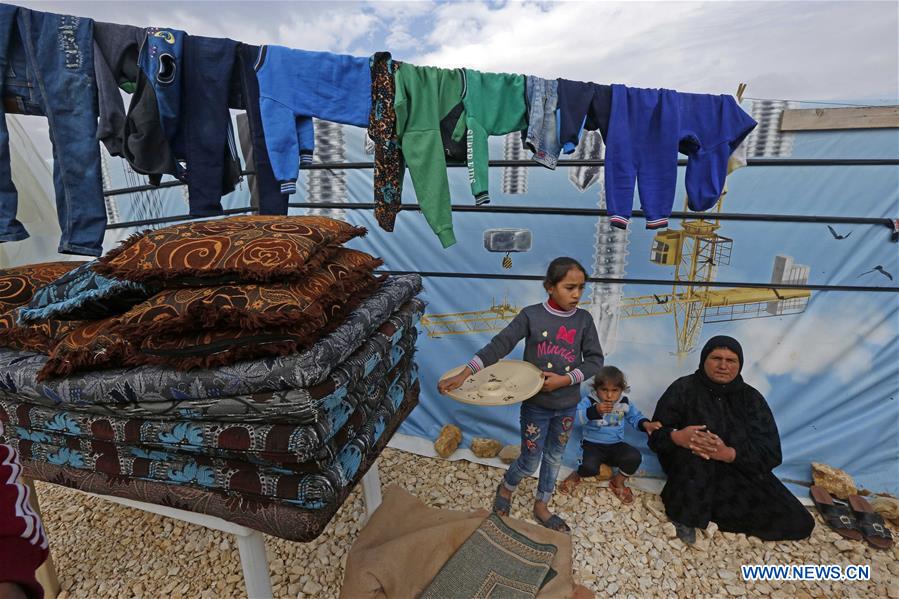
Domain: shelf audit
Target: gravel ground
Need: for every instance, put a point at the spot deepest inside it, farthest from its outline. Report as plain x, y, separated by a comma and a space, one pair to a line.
102, 549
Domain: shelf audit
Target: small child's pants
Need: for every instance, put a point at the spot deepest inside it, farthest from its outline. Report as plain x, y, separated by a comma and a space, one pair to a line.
625, 457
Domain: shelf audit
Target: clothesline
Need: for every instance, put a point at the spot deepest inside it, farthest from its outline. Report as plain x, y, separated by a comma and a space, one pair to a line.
639, 281
813, 102
530, 163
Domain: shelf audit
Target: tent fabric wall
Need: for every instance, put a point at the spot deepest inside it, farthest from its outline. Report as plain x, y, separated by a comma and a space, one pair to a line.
830, 373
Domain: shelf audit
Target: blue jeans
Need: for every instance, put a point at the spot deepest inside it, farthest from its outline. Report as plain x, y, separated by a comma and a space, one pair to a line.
542, 135
205, 133
544, 435
47, 65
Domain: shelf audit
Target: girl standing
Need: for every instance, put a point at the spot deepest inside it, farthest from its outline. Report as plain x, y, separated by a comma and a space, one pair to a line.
562, 341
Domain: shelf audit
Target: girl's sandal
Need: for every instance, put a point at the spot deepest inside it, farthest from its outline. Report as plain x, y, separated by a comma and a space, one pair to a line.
554, 522
501, 505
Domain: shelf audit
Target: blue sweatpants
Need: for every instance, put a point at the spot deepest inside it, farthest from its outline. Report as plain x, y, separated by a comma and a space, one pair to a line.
647, 129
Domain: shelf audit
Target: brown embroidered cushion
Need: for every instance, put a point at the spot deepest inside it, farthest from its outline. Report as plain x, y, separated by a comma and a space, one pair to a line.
210, 348
94, 345
249, 306
240, 248
100, 344
210, 326
17, 287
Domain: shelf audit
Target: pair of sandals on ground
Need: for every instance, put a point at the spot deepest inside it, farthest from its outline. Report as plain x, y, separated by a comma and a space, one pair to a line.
856, 520
502, 505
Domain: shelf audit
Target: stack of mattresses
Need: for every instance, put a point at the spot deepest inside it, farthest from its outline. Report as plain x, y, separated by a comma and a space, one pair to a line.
274, 441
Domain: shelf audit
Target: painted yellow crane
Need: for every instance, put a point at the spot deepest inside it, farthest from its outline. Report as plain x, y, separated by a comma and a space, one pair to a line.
695, 251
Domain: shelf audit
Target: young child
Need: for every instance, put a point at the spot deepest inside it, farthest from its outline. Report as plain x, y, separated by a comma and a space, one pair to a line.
603, 414
562, 341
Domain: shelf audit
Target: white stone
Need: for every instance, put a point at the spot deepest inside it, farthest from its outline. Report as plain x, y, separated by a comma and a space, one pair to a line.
844, 545
312, 588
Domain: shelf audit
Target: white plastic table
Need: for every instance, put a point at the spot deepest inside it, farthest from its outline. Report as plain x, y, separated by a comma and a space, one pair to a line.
250, 543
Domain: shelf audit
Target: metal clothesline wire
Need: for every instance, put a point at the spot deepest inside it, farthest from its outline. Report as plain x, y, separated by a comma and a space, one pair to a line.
545, 210
637, 281
752, 162
817, 102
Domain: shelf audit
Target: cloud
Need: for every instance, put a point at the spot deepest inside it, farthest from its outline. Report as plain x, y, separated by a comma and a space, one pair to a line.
839, 338
334, 31
400, 39
644, 354
705, 47
795, 50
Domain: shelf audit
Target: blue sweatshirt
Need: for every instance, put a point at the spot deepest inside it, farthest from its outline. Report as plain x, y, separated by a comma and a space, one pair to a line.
609, 429
296, 85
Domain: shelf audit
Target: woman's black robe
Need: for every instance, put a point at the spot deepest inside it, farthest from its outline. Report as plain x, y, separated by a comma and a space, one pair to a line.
742, 496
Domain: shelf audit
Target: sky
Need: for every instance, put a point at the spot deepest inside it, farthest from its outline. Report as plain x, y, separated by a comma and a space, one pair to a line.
786, 50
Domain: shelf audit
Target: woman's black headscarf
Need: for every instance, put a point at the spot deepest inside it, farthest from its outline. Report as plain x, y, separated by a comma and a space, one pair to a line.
711, 345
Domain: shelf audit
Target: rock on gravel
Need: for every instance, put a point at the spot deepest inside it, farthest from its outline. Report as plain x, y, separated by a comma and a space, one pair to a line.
837, 482
485, 448
510, 453
448, 441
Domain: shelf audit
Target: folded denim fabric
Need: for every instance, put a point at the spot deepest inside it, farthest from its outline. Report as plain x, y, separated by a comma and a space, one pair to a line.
83, 294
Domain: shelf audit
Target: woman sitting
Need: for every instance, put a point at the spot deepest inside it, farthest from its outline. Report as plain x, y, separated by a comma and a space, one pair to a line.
718, 446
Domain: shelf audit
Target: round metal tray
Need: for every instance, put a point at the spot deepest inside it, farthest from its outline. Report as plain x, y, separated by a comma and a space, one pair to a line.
506, 382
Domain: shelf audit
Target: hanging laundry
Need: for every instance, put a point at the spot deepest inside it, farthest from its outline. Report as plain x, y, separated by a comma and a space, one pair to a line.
542, 135
155, 111
494, 105
116, 48
296, 85
388, 172
582, 107
47, 65
425, 95
205, 139
455, 150
246, 97
736, 161
647, 128
178, 121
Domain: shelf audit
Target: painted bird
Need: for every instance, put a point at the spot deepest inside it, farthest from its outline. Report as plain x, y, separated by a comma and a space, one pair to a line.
879, 269
660, 300
837, 235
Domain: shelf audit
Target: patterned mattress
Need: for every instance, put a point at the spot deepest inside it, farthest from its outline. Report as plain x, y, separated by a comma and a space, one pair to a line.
275, 444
